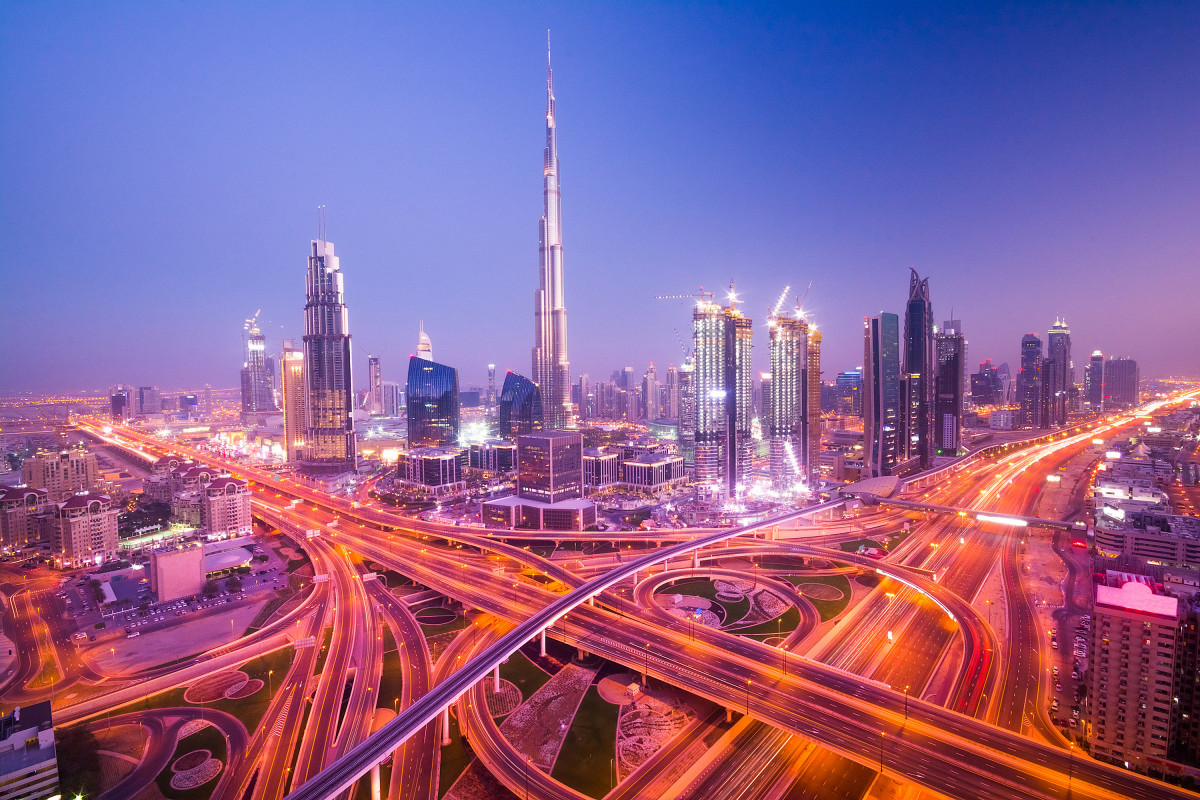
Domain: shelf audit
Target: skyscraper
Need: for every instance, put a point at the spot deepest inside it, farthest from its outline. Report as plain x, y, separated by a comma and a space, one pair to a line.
1029, 383
882, 407
424, 344
490, 405
687, 412
551, 369
919, 368
520, 406
374, 404
723, 392
432, 401
811, 452
785, 398
1093, 381
672, 409
294, 422
257, 395
1060, 384
329, 441
850, 392
948, 388
650, 394
1121, 382
985, 385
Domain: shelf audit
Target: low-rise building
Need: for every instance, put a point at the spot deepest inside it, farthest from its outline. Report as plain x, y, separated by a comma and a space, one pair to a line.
225, 508
18, 509
61, 473
575, 514
494, 455
601, 469
177, 571
436, 469
85, 530
28, 761
1153, 536
654, 472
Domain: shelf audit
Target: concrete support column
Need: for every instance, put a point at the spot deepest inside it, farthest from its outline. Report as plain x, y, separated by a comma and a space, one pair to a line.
496, 680
592, 601
729, 715
446, 726
695, 559
582, 653
375, 791
543, 651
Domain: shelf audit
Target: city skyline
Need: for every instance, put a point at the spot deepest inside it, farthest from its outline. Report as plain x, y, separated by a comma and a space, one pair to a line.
1016, 218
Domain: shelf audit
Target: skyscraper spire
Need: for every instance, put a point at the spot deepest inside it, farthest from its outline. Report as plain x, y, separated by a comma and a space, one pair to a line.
551, 369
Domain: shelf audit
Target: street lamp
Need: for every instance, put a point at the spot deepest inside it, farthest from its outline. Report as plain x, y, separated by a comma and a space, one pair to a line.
881, 752
270, 683
906, 704
747, 697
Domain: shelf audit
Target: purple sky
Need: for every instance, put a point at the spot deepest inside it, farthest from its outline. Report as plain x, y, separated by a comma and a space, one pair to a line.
160, 166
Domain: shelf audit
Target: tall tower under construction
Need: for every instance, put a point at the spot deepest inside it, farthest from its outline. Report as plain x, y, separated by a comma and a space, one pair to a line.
551, 369
723, 392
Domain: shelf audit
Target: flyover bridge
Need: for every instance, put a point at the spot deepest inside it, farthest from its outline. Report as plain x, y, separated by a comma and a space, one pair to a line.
1014, 520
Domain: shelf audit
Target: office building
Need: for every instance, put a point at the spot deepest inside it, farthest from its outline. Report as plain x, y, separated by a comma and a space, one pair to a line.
520, 406
177, 571
585, 405
490, 405
651, 473
551, 368
1121, 383
882, 401
329, 441
849, 387
19, 508
393, 398
1029, 383
494, 455
672, 408
438, 470
550, 466
61, 473
120, 406
374, 404
28, 761
257, 393
722, 339
650, 394
149, 401
431, 396
601, 468
1060, 380
1093, 382
919, 367
948, 392
295, 421
985, 385
85, 530
956, 326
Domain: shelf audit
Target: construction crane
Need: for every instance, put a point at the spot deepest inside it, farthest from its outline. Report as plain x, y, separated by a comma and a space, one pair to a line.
252, 323
774, 311
700, 295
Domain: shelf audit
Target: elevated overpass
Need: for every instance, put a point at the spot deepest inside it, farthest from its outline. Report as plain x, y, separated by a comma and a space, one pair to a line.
995, 517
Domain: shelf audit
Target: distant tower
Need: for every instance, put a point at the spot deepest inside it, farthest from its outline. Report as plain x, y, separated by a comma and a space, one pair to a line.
1058, 350
374, 387
424, 345
1093, 382
294, 411
551, 369
650, 393
811, 453
586, 407
431, 396
948, 392
491, 389
257, 395
520, 406
918, 368
687, 412
207, 400
672, 392
329, 441
882, 402
1029, 383
724, 384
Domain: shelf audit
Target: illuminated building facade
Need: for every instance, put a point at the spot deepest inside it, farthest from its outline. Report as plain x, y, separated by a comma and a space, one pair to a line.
784, 397
948, 392
919, 366
1029, 383
149, 400
723, 395
61, 473
520, 406
1060, 380
550, 466
18, 507
850, 392
882, 400
687, 412
985, 385
1093, 382
85, 530
28, 757
329, 440
257, 395
650, 394
432, 402
551, 369
294, 421
811, 455
225, 508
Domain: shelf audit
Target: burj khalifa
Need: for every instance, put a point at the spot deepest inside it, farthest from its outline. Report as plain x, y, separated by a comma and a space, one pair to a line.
551, 369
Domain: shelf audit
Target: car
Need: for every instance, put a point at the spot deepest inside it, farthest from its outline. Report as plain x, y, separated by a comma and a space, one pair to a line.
1075, 676
132, 634
1054, 705
1075, 711
1058, 687
79, 635
1056, 670
1072, 722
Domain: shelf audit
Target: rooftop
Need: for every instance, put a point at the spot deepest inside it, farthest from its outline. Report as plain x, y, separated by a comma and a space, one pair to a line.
1137, 596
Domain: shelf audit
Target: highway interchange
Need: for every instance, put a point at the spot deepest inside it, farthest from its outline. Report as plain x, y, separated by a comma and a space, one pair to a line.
938, 703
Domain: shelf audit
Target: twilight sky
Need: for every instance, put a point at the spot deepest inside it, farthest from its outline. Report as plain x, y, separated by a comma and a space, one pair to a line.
161, 163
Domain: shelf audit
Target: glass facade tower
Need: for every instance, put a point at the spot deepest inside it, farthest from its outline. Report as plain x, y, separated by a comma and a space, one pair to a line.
432, 403
520, 406
329, 440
